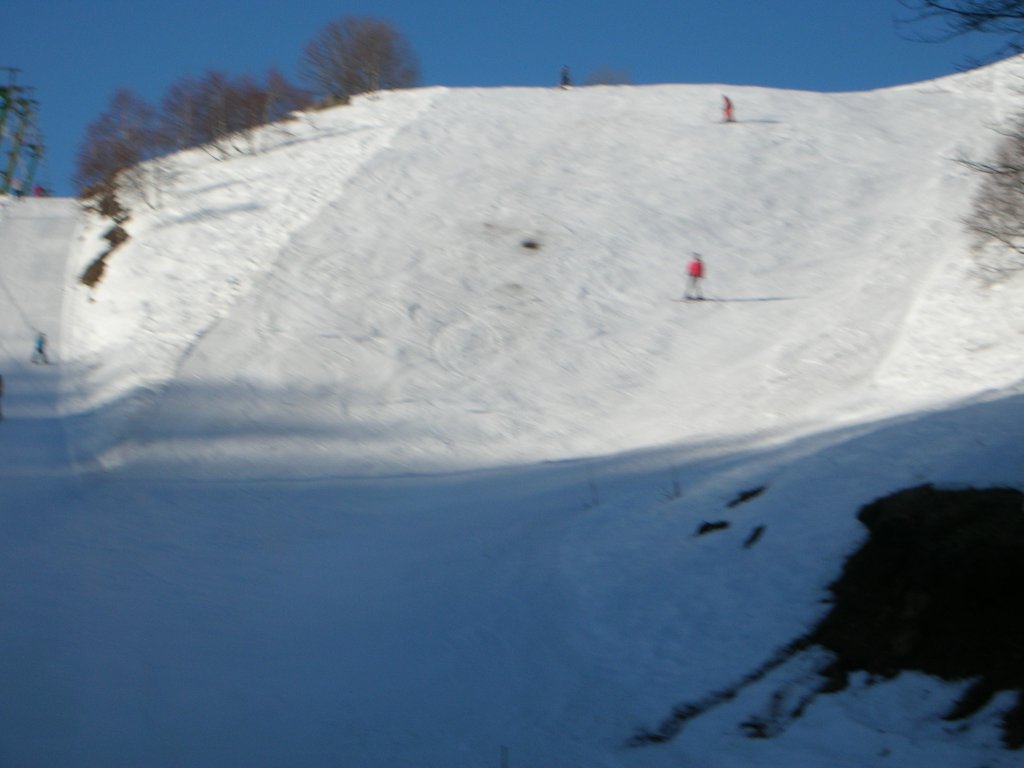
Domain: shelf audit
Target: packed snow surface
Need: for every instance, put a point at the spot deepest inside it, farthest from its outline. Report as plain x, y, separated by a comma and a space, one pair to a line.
384, 438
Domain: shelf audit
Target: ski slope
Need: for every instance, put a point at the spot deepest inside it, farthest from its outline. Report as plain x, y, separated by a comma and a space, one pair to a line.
383, 440
38, 236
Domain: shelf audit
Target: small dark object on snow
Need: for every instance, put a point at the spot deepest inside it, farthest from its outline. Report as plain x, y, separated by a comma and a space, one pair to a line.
752, 539
709, 527
746, 496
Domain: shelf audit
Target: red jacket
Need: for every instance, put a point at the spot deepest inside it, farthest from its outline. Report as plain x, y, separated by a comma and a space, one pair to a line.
696, 268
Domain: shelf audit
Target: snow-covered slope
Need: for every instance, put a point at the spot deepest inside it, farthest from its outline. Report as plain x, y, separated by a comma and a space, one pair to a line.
392, 435
36, 239
361, 289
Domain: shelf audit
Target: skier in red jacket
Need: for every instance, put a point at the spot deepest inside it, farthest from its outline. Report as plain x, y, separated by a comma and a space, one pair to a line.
695, 271
727, 111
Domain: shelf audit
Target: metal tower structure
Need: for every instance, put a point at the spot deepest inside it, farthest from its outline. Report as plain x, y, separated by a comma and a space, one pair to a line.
21, 147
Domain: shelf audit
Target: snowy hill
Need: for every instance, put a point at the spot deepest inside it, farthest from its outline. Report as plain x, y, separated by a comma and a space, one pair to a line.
370, 263
389, 437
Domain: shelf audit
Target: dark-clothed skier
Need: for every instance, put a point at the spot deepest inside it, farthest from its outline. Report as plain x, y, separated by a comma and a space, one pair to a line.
39, 353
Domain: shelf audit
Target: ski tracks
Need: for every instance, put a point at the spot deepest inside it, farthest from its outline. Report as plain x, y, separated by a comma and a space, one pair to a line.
317, 181
466, 343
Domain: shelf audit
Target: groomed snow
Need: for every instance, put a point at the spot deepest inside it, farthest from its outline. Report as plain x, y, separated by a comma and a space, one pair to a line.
383, 441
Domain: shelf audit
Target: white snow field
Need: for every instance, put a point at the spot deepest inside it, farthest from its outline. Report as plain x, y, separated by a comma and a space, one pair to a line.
384, 439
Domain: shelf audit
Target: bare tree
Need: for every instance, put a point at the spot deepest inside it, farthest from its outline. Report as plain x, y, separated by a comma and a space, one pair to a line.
126, 143
210, 111
356, 55
122, 136
245, 105
1001, 18
283, 97
213, 110
179, 113
997, 217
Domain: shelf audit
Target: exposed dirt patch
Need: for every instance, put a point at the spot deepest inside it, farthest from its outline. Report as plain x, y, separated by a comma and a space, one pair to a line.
937, 588
103, 200
94, 272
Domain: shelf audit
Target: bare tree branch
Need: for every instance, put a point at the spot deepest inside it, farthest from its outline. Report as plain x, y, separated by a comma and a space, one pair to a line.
356, 55
1001, 18
997, 216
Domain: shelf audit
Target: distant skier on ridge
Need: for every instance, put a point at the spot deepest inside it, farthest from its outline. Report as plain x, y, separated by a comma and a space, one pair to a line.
728, 115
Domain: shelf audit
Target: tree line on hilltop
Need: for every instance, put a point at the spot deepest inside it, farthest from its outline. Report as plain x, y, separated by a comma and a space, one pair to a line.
218, 111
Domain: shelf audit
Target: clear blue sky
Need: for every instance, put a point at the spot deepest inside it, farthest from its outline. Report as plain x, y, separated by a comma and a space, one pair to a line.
76, 53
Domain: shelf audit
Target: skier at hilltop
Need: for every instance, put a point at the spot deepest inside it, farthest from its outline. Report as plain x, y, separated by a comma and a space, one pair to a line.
695, 273
727, 110
566, 78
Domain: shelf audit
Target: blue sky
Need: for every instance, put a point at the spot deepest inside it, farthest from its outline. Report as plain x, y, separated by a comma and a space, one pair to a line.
76, 53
